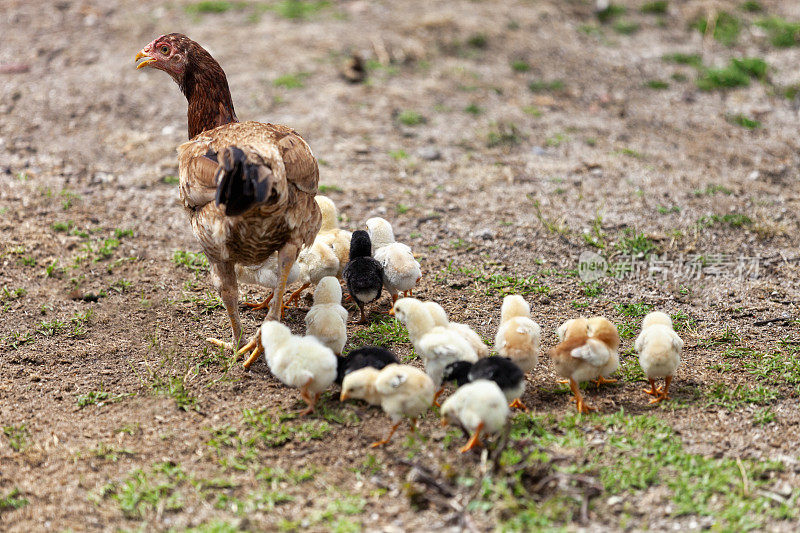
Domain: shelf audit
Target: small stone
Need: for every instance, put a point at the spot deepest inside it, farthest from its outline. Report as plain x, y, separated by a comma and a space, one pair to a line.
429, 153
485, 234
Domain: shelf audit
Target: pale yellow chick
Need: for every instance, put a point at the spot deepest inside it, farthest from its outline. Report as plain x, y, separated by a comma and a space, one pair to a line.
331, 234
360, 384
659, 349
401, 271
440, 318
406, 392
327, 319
518, 336
479, 406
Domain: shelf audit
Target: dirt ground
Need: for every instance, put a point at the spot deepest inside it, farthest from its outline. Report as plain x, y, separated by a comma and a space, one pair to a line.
502, 140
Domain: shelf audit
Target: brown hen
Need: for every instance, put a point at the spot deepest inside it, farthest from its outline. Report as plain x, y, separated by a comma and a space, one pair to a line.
248, 187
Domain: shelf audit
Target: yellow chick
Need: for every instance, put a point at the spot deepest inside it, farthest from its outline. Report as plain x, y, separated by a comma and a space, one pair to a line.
406, 392
331, 234
327, 319
314, 262
300, 362
518, 336
437, 345
588, 350
360, 384
401, 271
440, 318
659, 349
479, 406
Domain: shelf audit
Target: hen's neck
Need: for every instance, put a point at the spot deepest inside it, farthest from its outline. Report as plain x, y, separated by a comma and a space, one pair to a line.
206, 89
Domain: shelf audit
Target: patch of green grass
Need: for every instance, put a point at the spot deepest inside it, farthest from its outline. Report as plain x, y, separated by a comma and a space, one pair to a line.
751, 6
12, 501
611, 12
532, 110
734, 220
111, 453
633, 310
734, 397
478, 40
519, 65
193, 261
635, 243
631, 370
299, 9
402, 209
755, 67
657, 7
693, 60
16, 339
711, 189
592, 290
208, 6
398, 155
726, 336
170, 180
743, 121
325, 189
175, 387
143, 492
658, 85
64, 227
737, 74
17, 436
682, 321
503, 134
726, 27
408, 117
538, 86
99, 398
50, 328
665, 210
382, 332
473, 109
291, 81
625, 27
630, 455
782, 33
68, 198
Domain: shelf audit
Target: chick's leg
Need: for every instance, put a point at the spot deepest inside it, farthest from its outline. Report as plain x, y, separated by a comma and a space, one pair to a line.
602, 381
436, 397
309, 398
388, 437
517, 404
653, 390
665, 391
579, 403
363, 316
286, 258
474, 441
223, 277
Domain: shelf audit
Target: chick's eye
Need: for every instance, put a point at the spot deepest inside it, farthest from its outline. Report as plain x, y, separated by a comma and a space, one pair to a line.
164, 49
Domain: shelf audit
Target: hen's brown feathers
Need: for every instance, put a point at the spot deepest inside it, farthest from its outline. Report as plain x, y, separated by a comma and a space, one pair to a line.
289, 214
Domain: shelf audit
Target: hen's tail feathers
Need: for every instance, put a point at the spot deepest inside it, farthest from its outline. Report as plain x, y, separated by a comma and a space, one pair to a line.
241, 184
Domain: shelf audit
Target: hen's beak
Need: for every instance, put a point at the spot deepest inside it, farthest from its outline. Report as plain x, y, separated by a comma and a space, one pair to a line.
147, 59
343, 396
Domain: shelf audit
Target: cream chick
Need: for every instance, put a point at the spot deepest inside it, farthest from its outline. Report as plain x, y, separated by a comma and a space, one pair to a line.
588, 350
327, 319
437, 345
300, 362
265, 275
331, 234
659, 349
479, 407
440, 318
401, 271
360, 384
518, 336
405, 392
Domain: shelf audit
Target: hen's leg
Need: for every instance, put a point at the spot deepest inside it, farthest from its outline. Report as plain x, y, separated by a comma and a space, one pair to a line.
286, 258
223, 277
262, 305
295, 297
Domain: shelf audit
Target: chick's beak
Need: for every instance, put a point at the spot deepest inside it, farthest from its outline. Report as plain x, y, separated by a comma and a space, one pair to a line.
148, 59
391, 311
444, 422
343, 396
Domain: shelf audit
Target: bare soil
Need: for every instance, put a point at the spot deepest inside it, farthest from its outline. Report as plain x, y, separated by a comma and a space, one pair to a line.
540, 131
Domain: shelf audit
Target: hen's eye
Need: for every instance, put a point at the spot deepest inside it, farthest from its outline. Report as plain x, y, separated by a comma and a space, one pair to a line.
164, 49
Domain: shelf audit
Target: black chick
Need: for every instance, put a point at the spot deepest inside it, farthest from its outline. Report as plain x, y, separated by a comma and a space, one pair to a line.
373, 356
363, 274
502, 370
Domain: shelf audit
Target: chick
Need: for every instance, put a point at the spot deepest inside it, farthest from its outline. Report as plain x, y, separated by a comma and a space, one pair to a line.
501, 370
314, 262
406, 392
440, 318
363, 274
478, 407
518, 336
265, 275
360, 384
401, 271
327, 319
659, 349
301, 362
331, 234
437, 345
367, 356
588, 350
